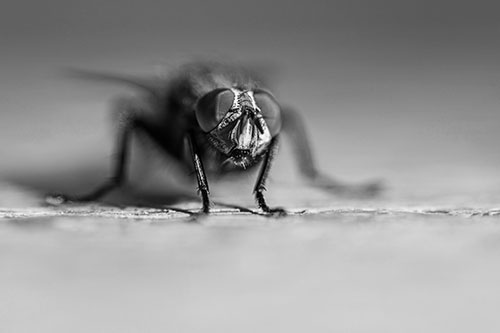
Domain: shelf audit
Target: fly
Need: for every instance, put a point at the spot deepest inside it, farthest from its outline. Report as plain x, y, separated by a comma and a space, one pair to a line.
225, 119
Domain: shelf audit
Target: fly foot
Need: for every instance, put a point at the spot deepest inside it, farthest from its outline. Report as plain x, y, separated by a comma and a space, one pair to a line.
371, 189
275, 212
271, 212
56, 199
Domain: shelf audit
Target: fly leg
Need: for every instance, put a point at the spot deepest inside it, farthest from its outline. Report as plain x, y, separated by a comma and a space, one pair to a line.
129, 123
293, 126
201, 177
260, 185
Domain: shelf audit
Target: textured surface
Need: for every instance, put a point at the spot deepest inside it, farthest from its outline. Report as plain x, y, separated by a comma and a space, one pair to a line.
84, 268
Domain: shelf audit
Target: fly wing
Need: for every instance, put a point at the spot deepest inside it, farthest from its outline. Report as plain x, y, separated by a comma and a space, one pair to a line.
152, 85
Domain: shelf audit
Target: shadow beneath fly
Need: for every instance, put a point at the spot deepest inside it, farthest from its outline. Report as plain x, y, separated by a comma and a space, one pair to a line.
76, 182
169, 201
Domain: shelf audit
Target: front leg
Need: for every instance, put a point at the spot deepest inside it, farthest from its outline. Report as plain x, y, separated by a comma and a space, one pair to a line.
260, 185
201, 177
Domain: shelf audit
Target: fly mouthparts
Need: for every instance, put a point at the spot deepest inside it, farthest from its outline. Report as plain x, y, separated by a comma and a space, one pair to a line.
240, 153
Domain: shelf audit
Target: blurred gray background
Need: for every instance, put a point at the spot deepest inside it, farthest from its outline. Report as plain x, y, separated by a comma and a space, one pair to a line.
402, 90
406, 91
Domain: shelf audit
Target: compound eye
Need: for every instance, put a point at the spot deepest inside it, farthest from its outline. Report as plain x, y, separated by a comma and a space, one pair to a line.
212, 107
270, 109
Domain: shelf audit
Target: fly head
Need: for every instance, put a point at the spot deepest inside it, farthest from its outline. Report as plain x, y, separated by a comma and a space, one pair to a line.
239, 123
